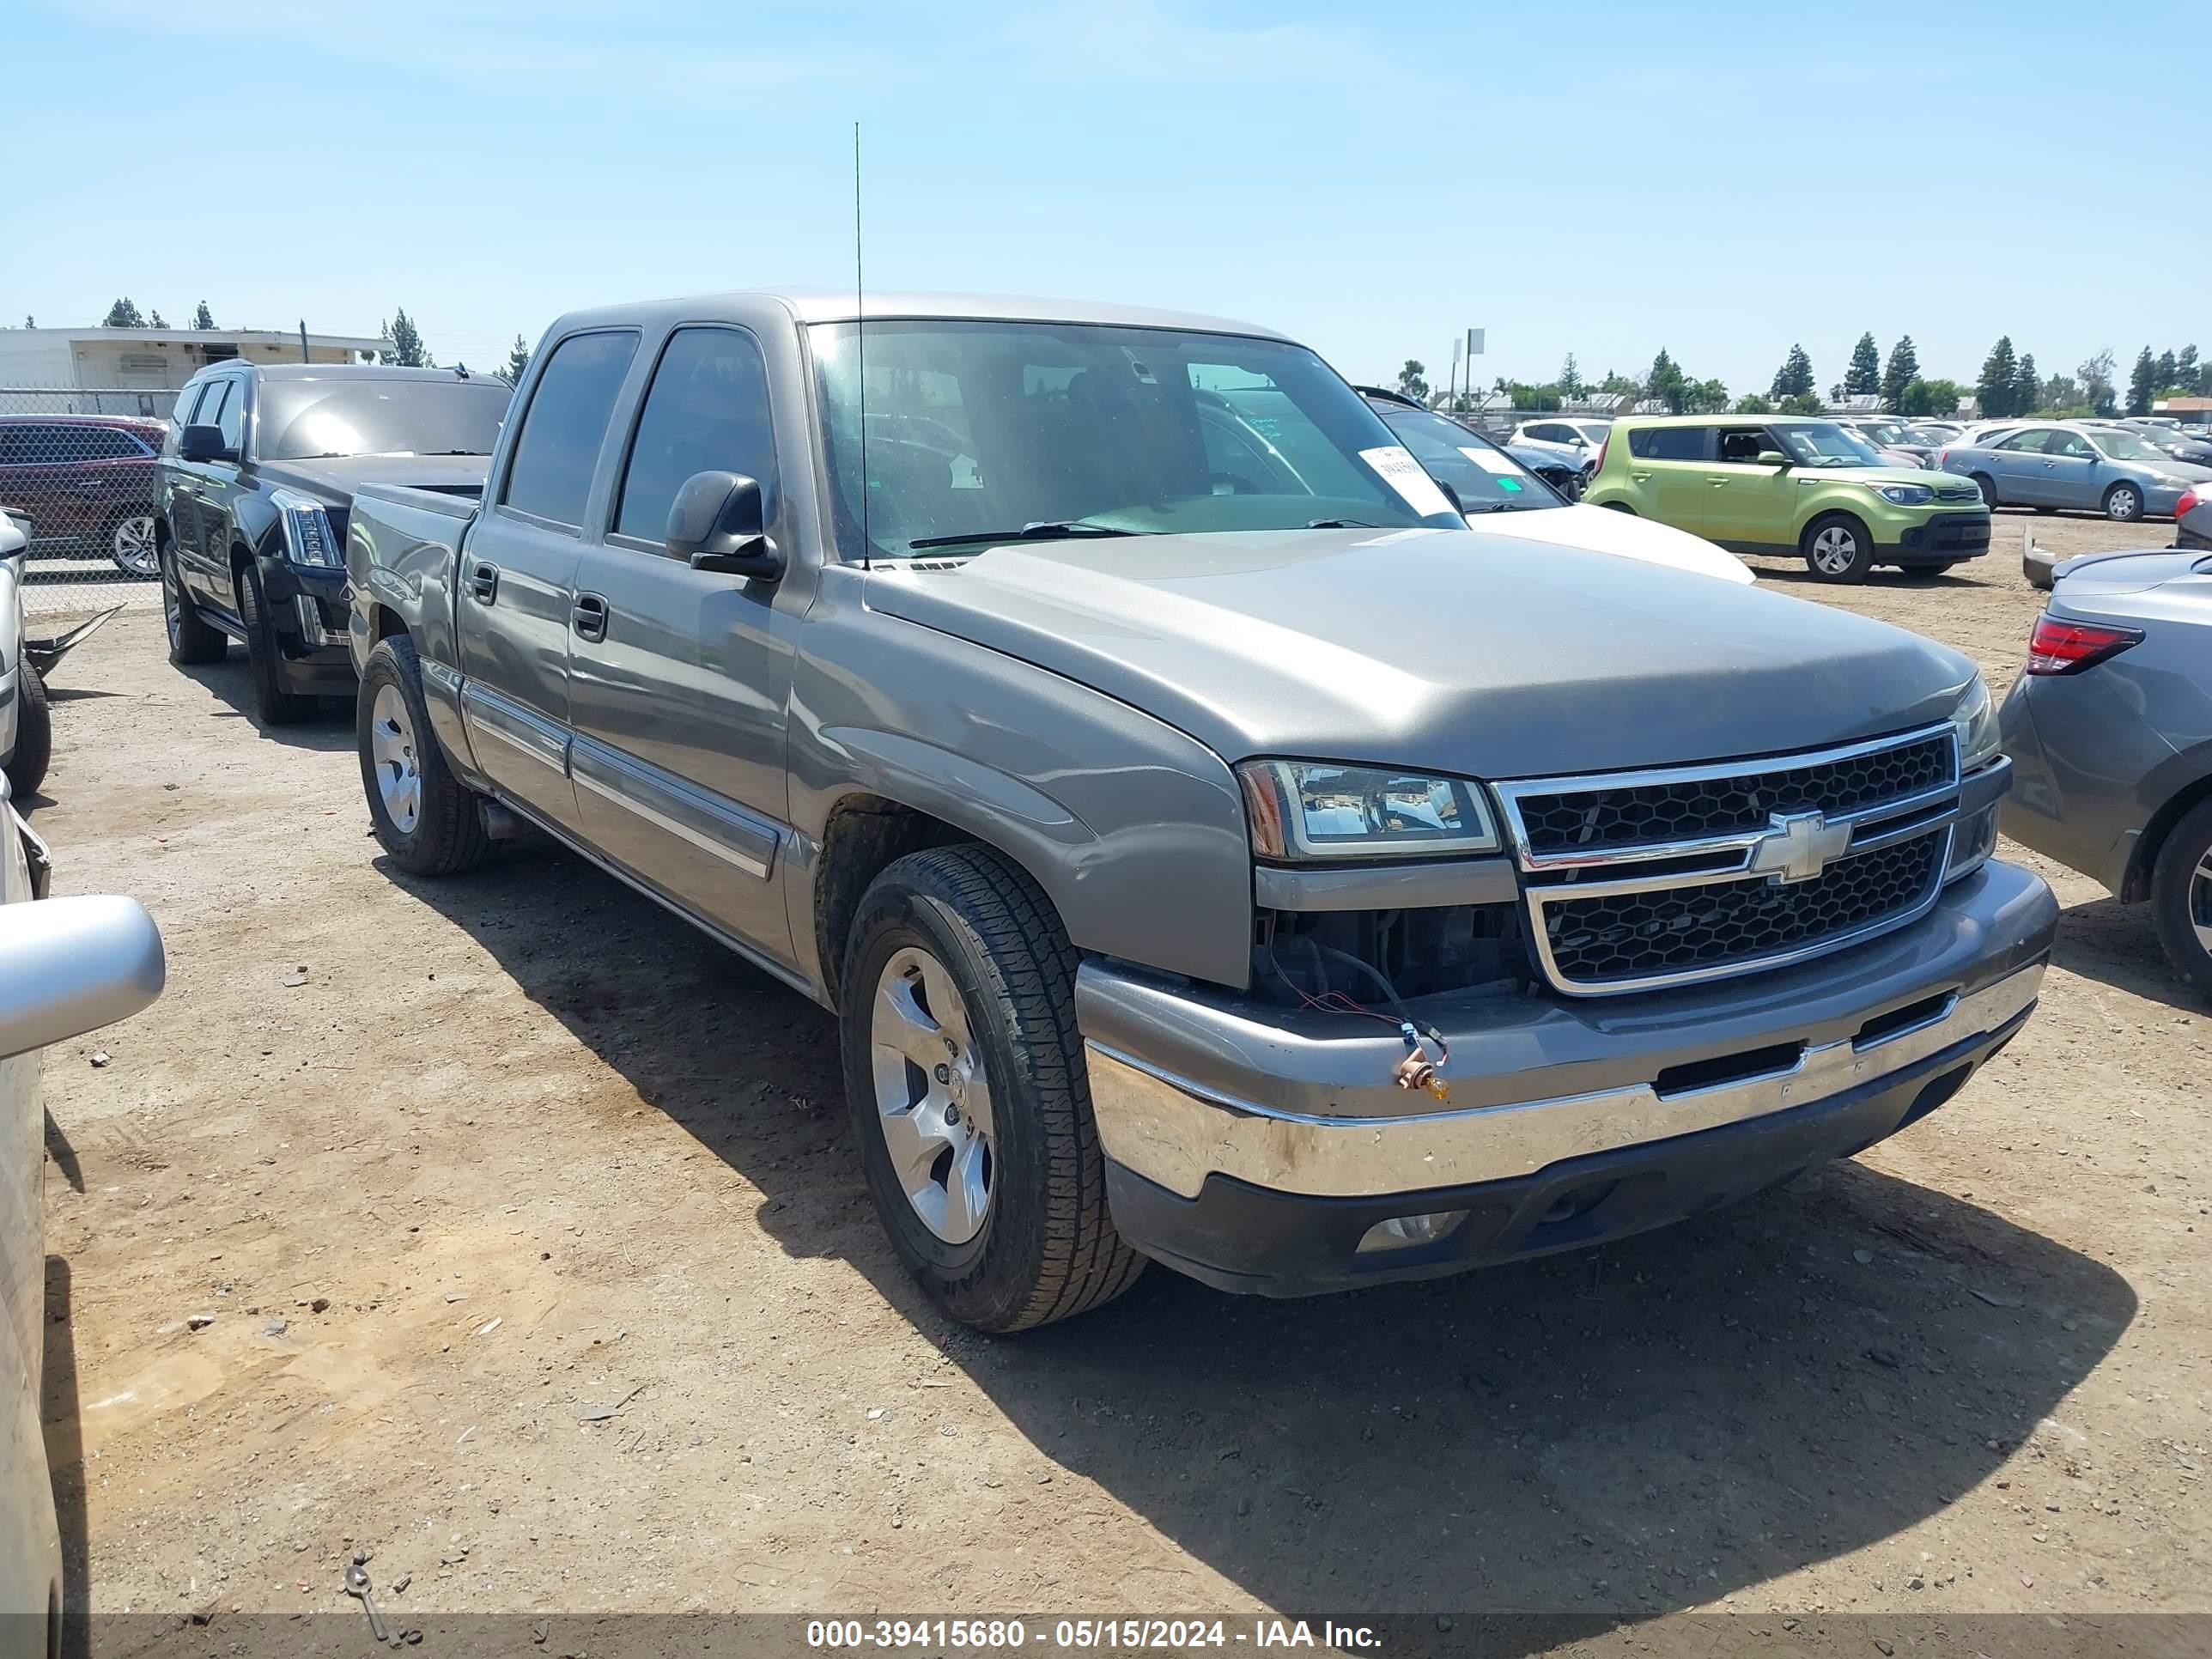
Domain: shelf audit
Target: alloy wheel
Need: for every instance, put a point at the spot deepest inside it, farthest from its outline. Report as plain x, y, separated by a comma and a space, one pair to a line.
132, 545
2199, 905
1833, 550
172, 604
933, 1096
391, 752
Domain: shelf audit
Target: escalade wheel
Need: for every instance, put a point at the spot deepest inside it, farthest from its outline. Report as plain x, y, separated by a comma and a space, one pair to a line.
274, 703
2123, 503
2181, 896
35, 736
191, 638
1838, 548
969, 1093
429, 821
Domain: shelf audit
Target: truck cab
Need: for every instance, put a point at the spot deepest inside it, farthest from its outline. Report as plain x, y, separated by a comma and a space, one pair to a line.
1212, 850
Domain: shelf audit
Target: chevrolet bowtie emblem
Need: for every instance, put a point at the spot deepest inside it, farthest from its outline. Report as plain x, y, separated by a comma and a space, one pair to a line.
1798, 846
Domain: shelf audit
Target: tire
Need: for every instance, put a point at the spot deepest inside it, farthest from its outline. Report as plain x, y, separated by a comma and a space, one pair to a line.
1988, 486
1619, 507
965, 923
274, 703
444, 834
2181, 896
35, 735
2123, 503
128, 541
1838, 548
192, 639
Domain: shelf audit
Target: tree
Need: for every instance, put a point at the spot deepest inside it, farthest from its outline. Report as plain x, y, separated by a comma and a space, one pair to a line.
1863, 378
1994, 391
1571, 378
2097, 382
2186, 375
1667, 382
1753, 404
30, 322
2167, 366
404, 342
1795, 378
2061, 395
2142, 383
1931, 398
2026, 386
1705, 398
1904, 369
155, 320
1619, 385
1412, 379
518, 359
1801, 403
123, 314
203, 318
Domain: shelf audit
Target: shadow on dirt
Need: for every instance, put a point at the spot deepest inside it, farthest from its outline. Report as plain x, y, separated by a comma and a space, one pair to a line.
1634, 1430
2115, 945
328, 726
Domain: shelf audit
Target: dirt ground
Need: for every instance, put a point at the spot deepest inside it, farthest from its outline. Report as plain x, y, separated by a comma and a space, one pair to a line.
538, 1263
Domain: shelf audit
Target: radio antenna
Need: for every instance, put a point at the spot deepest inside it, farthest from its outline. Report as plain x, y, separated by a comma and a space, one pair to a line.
860, 349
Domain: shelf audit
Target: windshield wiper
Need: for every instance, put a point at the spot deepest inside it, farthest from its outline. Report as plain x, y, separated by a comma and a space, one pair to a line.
1338, 524
1042, 530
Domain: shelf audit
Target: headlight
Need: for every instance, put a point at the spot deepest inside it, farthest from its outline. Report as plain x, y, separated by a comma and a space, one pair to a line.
1975, 720
308, 538
1904, 494
1320, 810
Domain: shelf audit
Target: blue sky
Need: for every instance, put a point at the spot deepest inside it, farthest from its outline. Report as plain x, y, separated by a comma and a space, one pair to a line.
1600, 178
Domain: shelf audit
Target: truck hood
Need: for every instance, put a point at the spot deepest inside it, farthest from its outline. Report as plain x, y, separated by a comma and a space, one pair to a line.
337, 476
1473, 652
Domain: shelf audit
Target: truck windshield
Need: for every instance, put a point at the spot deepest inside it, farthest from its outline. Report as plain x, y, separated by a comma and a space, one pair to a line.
310, 420
978, 430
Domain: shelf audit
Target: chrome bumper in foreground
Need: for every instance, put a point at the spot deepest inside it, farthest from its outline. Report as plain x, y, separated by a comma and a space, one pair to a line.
1154, 1124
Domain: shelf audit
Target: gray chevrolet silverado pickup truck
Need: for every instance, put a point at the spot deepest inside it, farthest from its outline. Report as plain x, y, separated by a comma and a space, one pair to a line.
1213, 851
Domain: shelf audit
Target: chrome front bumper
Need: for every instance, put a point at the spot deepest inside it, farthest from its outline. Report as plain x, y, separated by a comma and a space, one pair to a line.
1184, 1090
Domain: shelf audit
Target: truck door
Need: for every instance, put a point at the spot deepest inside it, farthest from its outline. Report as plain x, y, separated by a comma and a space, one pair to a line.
678, 678
516, 585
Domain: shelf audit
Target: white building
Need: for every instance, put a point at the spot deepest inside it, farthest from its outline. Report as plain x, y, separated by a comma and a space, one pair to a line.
151, 360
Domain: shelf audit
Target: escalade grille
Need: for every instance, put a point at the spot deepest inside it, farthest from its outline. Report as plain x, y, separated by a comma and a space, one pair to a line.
1636, 881
1634, 936
1692, 808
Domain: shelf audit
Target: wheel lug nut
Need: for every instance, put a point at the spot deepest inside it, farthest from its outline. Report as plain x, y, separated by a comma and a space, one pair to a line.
951, 1117
944, 1072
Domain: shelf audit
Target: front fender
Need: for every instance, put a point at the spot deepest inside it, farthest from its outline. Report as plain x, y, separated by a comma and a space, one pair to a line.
1134, 830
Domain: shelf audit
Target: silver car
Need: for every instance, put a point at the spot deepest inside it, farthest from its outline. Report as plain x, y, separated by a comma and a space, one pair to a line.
2110, 732
67, 966
2051, 465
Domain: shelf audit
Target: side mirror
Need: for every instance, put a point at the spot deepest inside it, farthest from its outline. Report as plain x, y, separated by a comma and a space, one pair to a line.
1772, 457
201, 443
719, 522
72, 965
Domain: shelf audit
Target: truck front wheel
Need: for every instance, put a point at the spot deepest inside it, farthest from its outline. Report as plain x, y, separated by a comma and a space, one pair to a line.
970, 1100
429, 821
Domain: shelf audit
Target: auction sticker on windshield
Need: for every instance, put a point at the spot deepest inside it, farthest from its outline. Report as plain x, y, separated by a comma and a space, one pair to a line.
1493, 460
1403, 473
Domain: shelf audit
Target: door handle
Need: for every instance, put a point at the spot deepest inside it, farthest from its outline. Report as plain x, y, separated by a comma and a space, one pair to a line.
1640, 477
589, 616
483, 583
1717, 483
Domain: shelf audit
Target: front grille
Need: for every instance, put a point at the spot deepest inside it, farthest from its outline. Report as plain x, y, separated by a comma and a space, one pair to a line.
1594, 942
1695, 808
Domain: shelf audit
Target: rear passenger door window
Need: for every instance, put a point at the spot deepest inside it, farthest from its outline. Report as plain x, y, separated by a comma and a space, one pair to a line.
706, 410
557, 447
1669, 443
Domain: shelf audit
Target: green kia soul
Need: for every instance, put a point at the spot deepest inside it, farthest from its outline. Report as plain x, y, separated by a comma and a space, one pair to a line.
1772, 484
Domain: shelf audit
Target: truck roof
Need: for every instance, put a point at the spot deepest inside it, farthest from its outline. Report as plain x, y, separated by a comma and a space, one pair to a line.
804, 305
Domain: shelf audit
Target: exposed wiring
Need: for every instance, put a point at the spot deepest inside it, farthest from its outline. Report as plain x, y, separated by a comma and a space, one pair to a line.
1417, 1069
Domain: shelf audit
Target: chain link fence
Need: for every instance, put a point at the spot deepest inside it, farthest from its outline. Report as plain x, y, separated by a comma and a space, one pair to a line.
76, 476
